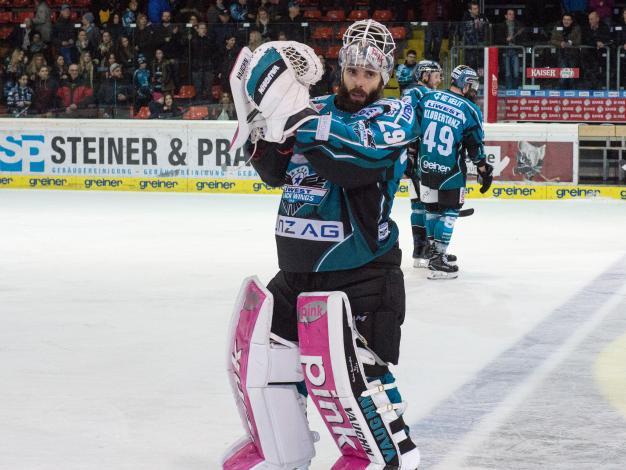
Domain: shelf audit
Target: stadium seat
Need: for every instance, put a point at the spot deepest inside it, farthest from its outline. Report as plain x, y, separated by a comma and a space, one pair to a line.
58, 3
335, 15
186, 92
5, 32
6, 17
340, 32
81, 3
21, 3
322, 32
333, 52
382, 15
313, 15
356, 15
398, 33
143, 113
21, 16
196, 112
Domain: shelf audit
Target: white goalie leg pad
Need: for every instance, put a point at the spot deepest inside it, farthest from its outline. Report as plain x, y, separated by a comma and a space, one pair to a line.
263, 369
366, 426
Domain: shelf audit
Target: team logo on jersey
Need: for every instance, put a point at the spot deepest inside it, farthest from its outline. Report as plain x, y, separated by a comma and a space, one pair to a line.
371, 112
305, 187
366, 136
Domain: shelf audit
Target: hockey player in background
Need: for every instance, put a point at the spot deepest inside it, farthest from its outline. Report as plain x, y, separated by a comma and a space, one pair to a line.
428, 78
339, 160
451, 128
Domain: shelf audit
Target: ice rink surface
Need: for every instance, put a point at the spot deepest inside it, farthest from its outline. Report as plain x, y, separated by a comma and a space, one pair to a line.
114, 309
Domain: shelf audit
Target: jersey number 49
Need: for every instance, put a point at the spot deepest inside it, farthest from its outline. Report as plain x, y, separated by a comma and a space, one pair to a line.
443, 140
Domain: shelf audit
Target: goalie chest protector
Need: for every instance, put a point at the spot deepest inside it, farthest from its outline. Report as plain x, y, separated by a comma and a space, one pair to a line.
324, 227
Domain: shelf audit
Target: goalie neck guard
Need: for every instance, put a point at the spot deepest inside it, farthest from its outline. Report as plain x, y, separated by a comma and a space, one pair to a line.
368, 44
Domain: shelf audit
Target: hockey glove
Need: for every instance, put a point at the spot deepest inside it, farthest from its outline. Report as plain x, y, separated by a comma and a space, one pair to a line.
485, 175
277, 85
252, 125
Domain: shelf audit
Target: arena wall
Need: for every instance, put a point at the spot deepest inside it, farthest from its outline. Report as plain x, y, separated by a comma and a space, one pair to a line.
531, 161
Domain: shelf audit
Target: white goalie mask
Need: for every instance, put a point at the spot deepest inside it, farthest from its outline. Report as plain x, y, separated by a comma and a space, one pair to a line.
368, 44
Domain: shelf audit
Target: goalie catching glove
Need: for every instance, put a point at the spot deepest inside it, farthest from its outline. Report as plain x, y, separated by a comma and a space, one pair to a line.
277, 86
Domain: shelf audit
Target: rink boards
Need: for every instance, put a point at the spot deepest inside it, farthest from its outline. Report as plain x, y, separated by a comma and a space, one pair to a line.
235, 186
531, 161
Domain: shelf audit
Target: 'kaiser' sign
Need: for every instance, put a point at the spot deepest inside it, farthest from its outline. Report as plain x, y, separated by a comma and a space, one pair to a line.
545, 72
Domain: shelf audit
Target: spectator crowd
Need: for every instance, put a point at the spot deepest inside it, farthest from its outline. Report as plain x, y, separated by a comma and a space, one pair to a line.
111, 58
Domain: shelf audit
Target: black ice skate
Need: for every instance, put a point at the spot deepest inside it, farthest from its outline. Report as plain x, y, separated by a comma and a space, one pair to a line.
421, 256
440, 267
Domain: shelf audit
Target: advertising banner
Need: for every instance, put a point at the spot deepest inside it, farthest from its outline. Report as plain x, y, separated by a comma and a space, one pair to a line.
563, 105
121, 149
565, 109
532, 153
549, 72
194, 156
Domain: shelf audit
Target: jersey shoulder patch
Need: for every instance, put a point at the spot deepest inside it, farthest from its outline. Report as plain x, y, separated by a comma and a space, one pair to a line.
323, 104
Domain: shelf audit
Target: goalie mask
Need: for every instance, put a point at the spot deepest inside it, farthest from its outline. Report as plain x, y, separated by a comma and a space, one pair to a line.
368, 44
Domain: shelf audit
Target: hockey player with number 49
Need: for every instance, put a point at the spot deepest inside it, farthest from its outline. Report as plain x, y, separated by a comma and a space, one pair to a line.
428, 78
451, 128
330, 319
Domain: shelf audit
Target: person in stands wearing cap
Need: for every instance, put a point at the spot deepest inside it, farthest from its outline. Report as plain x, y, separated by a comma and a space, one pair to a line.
142, 83
90, 29
114, 94
224, 29
64, 34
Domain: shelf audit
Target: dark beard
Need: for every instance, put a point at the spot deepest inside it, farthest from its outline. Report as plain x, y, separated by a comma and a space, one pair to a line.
471, 95
345, 103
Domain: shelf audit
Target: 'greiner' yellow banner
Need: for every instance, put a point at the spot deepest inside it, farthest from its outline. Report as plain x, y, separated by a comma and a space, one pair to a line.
248, 186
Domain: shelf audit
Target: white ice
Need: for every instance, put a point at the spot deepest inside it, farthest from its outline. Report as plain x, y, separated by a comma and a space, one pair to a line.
114, 309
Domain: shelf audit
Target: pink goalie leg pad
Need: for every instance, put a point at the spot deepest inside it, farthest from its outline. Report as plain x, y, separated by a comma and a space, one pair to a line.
350, 463
245, 458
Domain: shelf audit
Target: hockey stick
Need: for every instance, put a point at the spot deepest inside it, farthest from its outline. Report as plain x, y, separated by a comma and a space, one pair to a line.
466, 212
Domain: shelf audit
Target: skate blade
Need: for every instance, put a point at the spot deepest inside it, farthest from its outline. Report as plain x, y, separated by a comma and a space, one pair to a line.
437, 275
420, 262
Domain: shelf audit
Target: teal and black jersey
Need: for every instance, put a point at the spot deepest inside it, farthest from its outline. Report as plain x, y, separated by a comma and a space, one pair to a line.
413, 95
339, 186
450, 127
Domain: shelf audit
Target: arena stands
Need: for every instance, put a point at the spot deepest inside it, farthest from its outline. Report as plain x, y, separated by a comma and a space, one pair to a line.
185, 49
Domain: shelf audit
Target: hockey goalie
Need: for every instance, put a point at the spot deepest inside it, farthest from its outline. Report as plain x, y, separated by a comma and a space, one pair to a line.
326, 328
